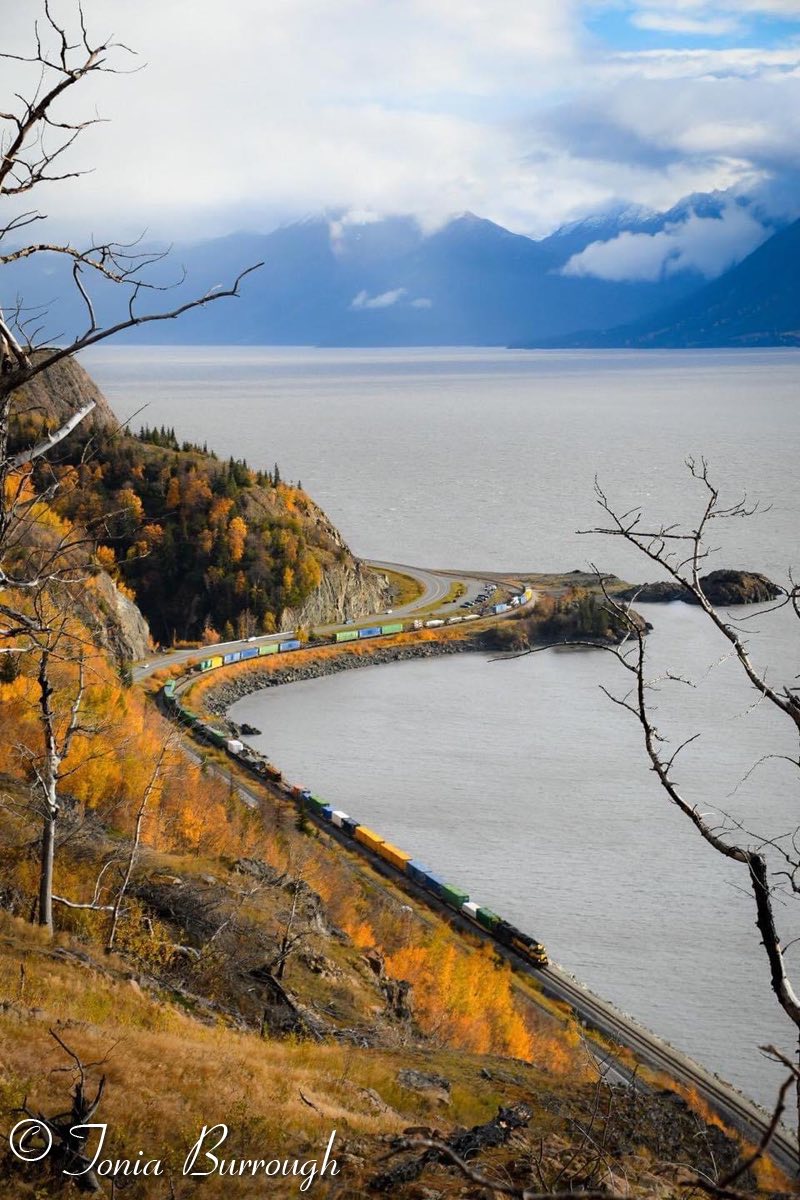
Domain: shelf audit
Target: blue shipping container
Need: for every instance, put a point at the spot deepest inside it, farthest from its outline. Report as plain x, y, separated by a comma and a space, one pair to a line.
233, 657
498, 608
374, 631
326, 812
291, 645
417, 871
434, 883
251, 653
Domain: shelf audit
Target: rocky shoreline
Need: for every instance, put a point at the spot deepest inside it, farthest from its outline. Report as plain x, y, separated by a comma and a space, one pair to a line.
221, 697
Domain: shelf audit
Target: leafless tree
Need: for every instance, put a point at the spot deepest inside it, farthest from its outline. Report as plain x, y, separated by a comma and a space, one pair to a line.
37, 131
771, 864
60, 720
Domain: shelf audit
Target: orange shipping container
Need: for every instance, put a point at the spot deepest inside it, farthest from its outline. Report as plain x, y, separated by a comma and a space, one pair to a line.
368, 837
398, 858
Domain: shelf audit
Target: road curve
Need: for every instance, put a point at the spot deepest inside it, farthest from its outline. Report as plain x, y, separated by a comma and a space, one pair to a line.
435, 587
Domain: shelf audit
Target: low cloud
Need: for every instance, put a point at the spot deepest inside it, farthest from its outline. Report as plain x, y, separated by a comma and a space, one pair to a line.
706, 245
384, 300
422, 302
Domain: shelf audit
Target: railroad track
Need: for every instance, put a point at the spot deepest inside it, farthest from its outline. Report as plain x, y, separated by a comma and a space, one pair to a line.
734, 1108
595, 1013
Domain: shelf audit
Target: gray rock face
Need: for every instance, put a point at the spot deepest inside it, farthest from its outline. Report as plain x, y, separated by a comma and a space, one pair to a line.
348, 589
114, 620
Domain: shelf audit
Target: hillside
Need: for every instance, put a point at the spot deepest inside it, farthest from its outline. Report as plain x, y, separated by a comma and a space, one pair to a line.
261, 977
756, 303
203, 547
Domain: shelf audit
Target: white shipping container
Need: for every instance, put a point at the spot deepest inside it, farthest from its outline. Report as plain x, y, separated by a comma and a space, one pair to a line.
337, 817
470, 909
234, 745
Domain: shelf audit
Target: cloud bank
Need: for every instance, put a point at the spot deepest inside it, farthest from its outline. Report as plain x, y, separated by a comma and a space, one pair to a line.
706, 245
531, 114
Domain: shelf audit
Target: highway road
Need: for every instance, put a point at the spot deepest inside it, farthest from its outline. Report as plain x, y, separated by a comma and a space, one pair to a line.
435, 587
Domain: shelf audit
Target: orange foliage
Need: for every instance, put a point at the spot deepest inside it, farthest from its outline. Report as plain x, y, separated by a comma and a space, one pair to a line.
237, 535
465, 997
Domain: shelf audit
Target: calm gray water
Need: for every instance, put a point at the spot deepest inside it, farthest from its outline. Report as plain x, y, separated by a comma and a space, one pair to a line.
518, 778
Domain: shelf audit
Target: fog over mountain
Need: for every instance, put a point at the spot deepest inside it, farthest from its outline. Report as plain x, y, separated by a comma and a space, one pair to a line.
755, 303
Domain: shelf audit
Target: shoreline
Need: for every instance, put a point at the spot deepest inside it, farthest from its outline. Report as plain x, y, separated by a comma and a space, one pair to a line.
227, 692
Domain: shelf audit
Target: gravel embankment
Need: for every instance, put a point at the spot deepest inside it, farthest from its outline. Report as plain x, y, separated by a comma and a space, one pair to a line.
220, 698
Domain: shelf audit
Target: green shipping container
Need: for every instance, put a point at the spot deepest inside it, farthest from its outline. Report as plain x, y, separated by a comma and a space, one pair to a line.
348, 635
392, 628
488, 919
454, 895
316, 803
270, 648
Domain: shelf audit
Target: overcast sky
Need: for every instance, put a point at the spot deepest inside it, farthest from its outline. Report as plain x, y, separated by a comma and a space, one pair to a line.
248, 113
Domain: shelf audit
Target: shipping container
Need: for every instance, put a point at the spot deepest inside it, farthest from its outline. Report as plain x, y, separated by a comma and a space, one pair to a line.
292, 644
268, 648
205, 665
417, 871
471, 909
338, 818
234, 745
454, 895
499, 608
216, 736
372, 631
350, 826
314, 803
169, 689
327, 812
233, 657
488, 919
397, 628
216, 661
368, 837
297, 791
347, 635
433, 883
398, 858
251, 652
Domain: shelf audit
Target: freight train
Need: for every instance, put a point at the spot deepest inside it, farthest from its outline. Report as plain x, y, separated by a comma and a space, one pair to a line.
349, 635
405, 864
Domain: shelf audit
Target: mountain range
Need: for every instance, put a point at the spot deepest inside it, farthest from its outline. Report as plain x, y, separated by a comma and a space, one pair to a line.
334, 280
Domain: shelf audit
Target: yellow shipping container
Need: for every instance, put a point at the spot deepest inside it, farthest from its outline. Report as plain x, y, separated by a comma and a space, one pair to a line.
368, 837
398, 858
216, 661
